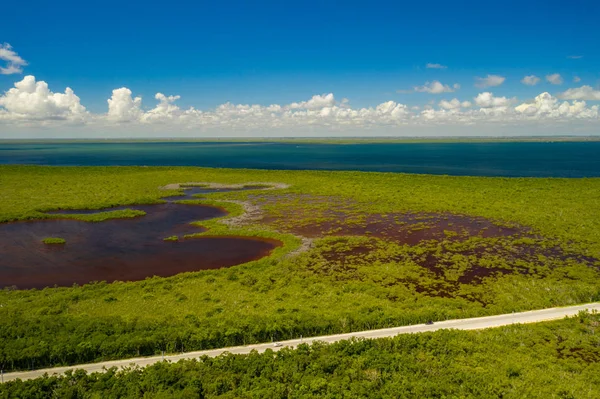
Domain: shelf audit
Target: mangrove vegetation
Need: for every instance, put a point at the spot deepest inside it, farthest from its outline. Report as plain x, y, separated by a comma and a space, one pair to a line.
559, 359
358, 251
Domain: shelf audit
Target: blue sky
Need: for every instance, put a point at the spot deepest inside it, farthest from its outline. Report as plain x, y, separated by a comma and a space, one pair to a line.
273, 52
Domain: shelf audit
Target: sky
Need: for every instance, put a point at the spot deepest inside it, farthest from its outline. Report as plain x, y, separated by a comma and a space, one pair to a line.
312, 68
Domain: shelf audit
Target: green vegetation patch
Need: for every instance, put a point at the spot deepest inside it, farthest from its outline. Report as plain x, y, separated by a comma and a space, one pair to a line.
54, 240
102, 216
360, 251
559, 359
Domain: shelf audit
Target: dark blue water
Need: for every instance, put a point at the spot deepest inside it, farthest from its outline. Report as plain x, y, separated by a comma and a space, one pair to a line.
530, 159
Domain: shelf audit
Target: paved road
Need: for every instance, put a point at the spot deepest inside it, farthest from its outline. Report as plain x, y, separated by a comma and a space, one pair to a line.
460, 324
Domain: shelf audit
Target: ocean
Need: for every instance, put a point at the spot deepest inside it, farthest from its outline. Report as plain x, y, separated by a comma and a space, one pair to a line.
508, 159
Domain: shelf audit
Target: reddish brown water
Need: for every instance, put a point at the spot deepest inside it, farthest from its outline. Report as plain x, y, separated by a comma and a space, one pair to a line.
120, 249
406, 228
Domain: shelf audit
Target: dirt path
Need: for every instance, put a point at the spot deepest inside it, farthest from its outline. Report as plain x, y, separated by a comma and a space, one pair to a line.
475, 323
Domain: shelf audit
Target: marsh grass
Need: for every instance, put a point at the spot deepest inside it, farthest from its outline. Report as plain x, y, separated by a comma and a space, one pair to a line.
102, 216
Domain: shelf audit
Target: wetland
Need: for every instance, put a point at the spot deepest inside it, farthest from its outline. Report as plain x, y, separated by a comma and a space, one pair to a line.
120, 249
309, 253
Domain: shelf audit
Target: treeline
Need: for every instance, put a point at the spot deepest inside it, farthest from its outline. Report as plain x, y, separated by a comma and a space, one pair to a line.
62, 340
28, 344
546, 360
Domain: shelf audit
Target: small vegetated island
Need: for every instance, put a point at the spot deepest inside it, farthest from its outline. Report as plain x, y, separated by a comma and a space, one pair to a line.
154, 265
54, 240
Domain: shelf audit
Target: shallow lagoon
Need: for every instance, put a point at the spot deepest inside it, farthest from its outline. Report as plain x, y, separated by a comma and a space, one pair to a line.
120, 249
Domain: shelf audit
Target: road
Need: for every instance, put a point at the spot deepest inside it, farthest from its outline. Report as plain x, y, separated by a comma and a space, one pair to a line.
476, 323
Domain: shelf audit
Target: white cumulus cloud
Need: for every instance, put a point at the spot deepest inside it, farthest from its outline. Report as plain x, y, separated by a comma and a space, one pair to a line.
488, 100
165, 111
31, 100
530, 80
122, 107
316, 102
489, 81
549, 107
454, 104
555, 79
14, 63
436, 87
392, 110
581, 93
31, 103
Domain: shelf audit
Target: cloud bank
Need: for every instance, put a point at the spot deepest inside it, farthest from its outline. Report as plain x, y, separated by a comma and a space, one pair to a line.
31, 103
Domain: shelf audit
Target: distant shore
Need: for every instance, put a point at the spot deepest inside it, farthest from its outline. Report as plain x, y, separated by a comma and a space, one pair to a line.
317, 140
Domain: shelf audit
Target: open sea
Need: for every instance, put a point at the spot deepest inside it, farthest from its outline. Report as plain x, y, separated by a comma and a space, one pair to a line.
509, 159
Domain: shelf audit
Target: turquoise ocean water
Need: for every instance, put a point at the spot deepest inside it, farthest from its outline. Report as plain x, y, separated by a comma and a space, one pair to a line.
510, 159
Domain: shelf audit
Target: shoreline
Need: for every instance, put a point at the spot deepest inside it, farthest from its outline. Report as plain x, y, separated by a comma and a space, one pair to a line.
316, 140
